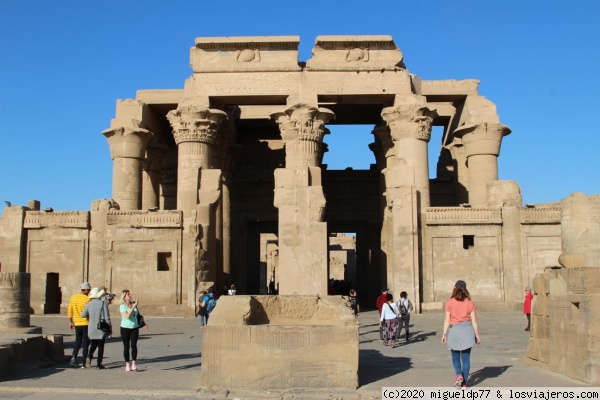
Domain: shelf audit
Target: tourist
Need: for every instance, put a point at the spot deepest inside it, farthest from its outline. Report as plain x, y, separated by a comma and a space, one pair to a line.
404, 308
527, 307
353, 298
130, 328
96, 310
461, 332
76, 321
208, 303
381, 300
389, 313
202, 308
231, 291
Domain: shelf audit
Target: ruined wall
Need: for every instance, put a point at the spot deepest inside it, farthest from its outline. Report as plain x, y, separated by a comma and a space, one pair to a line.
565, 331
462, 243
143, 254
499, 249
57, 257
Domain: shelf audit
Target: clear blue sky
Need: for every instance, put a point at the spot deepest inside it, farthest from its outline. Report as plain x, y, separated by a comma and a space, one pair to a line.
64, 63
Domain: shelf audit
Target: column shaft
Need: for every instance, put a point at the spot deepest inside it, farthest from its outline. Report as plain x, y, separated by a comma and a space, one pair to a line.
127, 183
193, 156
483, 168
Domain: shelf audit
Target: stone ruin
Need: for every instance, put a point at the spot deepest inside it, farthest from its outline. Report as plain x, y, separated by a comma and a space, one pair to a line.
565, 330
223, 181
20, 343
203, 174
280, 342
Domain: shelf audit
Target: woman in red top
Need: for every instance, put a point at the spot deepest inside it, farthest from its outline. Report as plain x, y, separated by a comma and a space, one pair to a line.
461, 331
527, 306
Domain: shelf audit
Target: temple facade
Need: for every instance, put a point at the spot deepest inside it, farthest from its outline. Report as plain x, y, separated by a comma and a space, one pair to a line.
223, 182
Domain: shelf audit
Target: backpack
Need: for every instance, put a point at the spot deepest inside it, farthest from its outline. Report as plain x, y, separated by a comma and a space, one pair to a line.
210, 304
402, 307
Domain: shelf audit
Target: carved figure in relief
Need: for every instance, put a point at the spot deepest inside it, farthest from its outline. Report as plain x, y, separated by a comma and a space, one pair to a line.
248, 55
357, 54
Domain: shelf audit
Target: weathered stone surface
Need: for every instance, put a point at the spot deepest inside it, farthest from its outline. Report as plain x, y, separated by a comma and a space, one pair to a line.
567, 307
280, 342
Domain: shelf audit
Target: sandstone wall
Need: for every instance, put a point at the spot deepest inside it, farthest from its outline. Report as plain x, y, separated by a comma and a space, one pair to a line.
280, 342
565, 334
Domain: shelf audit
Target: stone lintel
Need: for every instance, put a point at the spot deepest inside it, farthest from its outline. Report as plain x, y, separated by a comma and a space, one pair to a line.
463, 216
543, 216
57, 219
145, 219
252, 53
351, 53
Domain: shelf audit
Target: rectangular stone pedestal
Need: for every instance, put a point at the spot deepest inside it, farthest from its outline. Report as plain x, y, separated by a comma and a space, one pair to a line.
280, 342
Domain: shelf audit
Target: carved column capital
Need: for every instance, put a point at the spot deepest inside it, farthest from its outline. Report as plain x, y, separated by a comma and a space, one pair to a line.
413, 120
193, 124
482, 139
128, 142
302, 128
303, 122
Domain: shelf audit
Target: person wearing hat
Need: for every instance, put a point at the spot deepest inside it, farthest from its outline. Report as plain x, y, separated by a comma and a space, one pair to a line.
96, 310
461, 331
76, 305
381, 300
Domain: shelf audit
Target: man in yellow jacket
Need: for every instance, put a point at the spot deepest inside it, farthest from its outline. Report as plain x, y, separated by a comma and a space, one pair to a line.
76, 305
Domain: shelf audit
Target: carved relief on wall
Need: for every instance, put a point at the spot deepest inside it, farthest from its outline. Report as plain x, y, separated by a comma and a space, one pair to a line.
248, 55
357, 54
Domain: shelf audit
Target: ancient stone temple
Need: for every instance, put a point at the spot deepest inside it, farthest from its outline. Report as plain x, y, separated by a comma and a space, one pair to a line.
222, 181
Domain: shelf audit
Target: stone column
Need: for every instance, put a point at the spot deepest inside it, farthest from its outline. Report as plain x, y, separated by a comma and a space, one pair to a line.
195, 132
127, 150
151, 171
482, 148
303, 252
580, 223
410, 130
14, 303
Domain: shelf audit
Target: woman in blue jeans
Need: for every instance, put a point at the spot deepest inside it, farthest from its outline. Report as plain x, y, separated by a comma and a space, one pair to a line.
461, 331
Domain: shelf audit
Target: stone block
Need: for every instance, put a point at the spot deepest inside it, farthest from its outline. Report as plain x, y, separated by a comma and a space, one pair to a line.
280, 342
